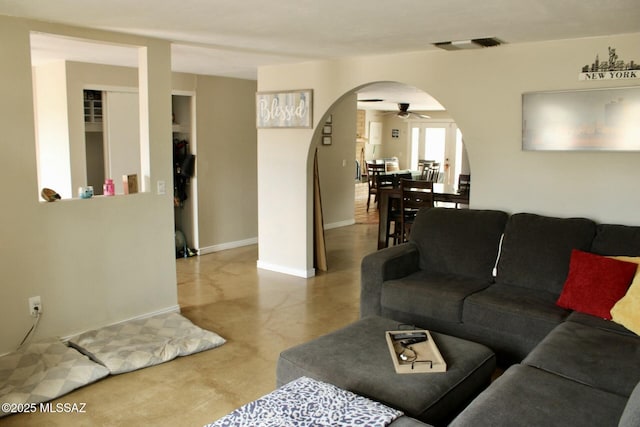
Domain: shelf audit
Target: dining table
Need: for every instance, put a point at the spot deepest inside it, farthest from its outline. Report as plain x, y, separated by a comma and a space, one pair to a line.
445, 193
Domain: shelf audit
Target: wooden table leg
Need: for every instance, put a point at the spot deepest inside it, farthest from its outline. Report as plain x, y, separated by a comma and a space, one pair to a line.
383, 221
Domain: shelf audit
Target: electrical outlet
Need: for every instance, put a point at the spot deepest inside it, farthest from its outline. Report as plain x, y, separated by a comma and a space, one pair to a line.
35, 306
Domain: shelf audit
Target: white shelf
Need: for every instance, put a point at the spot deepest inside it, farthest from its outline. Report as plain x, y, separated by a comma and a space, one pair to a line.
178, 128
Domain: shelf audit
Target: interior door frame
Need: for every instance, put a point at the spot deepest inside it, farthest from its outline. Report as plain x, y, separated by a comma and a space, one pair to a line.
109, 111
193, 234
450, 141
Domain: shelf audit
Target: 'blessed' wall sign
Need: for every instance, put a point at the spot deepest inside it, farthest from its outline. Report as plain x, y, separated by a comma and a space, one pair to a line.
284, 109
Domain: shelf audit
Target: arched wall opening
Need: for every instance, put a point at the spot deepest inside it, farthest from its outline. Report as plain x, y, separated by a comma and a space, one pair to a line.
287, 216
335, 137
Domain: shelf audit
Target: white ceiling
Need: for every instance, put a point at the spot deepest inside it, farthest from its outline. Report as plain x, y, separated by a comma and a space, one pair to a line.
393, 93
234, 38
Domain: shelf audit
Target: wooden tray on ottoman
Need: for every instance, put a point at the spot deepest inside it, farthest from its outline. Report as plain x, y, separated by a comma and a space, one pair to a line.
421, 357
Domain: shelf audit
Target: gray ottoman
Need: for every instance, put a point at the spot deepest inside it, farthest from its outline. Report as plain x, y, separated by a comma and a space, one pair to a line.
356, 358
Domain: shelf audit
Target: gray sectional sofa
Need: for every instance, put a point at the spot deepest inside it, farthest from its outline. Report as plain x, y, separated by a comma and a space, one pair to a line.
584, 373
494, 278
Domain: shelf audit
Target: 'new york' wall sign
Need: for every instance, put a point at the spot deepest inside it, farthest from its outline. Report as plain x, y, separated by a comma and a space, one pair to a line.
612, 69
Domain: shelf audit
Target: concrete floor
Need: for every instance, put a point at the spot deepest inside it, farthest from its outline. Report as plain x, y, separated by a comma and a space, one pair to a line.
260, 313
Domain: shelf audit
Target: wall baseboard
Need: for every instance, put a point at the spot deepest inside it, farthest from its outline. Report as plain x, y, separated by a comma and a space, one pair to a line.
286, 270
170, 309
339, 224
229, 245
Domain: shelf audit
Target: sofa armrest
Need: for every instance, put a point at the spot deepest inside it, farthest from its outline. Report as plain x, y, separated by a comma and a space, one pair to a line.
386, 264
631, 414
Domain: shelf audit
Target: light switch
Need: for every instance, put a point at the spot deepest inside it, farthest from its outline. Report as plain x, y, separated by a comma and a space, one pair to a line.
162, 189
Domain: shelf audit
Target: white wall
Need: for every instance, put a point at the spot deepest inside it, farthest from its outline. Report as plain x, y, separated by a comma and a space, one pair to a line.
93, 262
226, 162
122, 137
395, 147
52, 129
285, 172
336, 165
482, 91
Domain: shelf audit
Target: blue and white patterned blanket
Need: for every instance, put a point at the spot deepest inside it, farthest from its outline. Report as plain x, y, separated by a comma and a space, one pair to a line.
306, 402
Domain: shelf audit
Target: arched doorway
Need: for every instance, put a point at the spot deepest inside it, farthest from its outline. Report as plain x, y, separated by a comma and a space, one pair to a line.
405, 137
285, 159
424, 130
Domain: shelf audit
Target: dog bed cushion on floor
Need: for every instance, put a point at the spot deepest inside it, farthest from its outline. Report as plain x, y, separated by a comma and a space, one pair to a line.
44, 370
145, 342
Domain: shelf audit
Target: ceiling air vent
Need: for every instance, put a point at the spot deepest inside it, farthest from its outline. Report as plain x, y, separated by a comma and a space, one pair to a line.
469, 44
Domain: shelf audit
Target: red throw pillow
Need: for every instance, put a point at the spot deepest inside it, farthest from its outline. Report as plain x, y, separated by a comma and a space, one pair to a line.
595, 283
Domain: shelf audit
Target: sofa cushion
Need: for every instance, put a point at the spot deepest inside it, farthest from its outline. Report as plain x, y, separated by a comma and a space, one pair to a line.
406, 421
595, 283
526, 396
430, 294
463, 242
613, 239
596, 322
596, 357
536, 250
513, 310
631, 414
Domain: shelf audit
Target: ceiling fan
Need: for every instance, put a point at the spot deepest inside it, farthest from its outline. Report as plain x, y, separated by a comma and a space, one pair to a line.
404, 113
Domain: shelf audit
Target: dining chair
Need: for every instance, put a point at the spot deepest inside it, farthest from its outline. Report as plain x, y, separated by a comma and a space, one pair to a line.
464, 185
392, 181
399, 177
374, 170
433, 174
387, 180
423, 168
415, 195
393, 214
